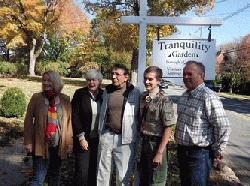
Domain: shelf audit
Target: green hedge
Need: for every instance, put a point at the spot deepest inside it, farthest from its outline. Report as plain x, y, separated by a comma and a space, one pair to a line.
22, 68
43, 66
7, 68
13, 103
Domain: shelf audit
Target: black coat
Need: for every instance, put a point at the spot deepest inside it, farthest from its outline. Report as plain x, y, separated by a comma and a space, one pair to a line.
82, 114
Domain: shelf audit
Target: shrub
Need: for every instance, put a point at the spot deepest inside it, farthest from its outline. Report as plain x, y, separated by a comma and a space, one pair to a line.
7, 68
57, 66
13, 103
22, 68
89, 65
245, 88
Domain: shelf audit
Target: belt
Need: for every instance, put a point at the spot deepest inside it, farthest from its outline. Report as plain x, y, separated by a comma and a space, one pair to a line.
150, 137
116, 131
193, 147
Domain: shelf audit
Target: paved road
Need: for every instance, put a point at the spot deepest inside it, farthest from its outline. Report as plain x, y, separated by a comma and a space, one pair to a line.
237, 153
238, 149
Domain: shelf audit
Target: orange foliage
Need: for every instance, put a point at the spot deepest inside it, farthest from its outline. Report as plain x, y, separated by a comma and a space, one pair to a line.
244, 55
72, 19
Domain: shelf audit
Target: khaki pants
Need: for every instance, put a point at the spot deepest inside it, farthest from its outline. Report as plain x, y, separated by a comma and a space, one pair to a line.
149, 174
112, 150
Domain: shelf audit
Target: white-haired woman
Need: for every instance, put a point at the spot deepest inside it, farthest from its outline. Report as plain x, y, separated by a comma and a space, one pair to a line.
86, 104
48, 130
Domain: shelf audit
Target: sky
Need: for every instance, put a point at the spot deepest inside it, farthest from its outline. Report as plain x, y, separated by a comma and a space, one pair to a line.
236, 23
236, 15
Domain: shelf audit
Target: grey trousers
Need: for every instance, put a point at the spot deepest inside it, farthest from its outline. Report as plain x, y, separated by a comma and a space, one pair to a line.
112, 150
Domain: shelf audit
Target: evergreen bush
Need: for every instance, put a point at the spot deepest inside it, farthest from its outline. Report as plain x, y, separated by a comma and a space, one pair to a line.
13, 103
7, 68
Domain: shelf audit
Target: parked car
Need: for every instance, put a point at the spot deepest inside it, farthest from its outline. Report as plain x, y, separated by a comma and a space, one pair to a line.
215, 87
164, 84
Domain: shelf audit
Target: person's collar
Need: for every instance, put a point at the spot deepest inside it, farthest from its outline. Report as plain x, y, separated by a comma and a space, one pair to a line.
123, 88
92, 96
154, 92
57, 100
196, 90
111, 88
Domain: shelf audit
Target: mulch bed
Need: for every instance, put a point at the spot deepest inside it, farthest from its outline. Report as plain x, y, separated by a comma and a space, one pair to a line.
9, 132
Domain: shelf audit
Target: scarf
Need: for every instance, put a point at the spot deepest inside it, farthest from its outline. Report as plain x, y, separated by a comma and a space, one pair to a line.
51, 133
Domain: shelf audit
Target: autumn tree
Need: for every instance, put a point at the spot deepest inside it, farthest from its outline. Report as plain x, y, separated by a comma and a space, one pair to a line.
29, 23
65, 44
25, 22
118, 37
234, 65
54, 49
244, 56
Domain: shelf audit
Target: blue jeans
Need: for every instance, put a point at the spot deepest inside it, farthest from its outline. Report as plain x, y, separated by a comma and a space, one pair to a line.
41, 166
195, 165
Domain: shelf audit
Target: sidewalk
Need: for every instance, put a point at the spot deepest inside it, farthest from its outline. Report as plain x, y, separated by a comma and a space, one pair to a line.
12, 167
14, 171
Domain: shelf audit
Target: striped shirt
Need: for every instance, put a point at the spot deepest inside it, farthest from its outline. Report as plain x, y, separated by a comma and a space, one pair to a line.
202, 121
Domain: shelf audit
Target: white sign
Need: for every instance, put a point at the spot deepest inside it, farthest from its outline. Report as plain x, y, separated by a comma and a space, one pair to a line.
172, 54
143, 20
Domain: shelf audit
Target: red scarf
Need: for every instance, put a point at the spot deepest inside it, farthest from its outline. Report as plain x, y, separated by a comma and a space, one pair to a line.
52, 120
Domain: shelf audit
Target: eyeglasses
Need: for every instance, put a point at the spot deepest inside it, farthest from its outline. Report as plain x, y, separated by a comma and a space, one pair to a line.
116, 74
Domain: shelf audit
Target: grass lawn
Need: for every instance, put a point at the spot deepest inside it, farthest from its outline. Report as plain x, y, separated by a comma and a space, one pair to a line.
31, 85
234, 96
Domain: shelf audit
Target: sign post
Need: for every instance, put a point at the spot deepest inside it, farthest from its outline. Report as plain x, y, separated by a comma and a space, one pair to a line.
143, 20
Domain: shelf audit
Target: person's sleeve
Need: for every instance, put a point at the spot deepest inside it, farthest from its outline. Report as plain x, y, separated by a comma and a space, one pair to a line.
69, 126
167, 112
76, 121
29, 121
218, 119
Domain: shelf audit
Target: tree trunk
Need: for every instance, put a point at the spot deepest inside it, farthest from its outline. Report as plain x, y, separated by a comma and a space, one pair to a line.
134, 66
32, 58
34, 53
8, 54
230, 90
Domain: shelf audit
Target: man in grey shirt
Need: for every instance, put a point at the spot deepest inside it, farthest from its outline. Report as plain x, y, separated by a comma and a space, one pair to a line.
118, 126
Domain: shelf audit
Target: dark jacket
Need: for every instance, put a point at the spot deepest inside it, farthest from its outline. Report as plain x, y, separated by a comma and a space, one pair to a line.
82, 115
